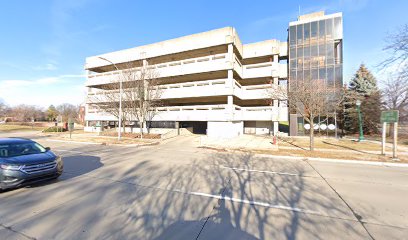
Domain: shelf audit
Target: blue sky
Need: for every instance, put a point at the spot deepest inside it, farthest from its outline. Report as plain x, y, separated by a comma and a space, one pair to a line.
43, 44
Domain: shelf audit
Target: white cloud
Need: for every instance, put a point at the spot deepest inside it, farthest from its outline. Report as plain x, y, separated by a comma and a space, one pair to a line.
46, 67
44, 91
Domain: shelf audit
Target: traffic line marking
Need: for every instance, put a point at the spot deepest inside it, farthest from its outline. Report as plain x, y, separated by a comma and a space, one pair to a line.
256, 203
261, 171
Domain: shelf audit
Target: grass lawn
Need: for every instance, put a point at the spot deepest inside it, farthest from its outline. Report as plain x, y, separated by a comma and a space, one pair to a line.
80, 136
330, 143
17, 128
336, 155
335, 148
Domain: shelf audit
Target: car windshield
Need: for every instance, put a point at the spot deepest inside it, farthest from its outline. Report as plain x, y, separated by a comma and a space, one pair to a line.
19, 149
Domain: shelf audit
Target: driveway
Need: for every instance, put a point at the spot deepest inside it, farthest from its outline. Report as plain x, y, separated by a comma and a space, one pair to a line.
178, 191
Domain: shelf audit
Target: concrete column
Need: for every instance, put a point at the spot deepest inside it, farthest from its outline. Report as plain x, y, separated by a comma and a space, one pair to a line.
177, 126
275, 128
230, 101
275, 85
230, 53
276, 58
230, 81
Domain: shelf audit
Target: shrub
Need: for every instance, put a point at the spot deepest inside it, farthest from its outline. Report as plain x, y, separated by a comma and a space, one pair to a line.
55, 129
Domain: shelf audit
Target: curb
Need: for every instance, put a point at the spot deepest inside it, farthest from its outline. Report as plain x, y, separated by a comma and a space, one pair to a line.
65, 141
336, 160
131, 145
329, 160
104, 144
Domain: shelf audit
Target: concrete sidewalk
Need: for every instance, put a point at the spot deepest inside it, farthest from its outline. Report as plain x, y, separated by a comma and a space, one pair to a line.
249, 142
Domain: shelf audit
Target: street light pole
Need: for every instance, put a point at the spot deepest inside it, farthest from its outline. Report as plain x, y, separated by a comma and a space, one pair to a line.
360, 121
120, 98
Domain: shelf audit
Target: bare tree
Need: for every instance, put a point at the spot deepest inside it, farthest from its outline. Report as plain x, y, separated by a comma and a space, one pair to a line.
26, 113
142, 93
310, 99
67, 111
106, 100
397, 46
4, 109
395, 94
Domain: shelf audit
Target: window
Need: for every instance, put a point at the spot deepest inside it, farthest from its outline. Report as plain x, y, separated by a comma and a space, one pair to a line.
292, 53
19, 149
306, 75
313, 33
299, 34
299, 75
338, 28
306, 33
322, 54
292, 64
339, 76
292, 36
314, 56
315, 74
306, 52
322, 30
330, 53
329, 29
322, 74
330, 77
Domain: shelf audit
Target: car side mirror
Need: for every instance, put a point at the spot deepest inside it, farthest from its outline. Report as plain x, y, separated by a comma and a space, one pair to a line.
47, 149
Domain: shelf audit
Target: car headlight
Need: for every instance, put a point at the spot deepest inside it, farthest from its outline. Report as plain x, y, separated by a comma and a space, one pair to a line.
10, 167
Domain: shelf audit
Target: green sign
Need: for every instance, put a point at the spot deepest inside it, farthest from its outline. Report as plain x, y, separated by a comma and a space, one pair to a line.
389, 116
70, 125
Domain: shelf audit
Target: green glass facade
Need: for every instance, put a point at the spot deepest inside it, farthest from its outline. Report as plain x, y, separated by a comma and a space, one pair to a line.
315, 52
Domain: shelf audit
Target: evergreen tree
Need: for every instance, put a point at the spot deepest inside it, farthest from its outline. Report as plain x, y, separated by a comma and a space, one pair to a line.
364, 87
52, 113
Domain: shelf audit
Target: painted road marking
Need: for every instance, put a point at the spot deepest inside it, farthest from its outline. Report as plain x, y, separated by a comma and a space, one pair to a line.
237, 200
72, 151
263, 171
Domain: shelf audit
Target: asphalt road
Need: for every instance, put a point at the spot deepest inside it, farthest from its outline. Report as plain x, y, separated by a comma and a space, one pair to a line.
177, 191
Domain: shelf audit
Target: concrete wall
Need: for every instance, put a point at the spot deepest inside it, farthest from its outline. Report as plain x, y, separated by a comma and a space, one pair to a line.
225, 129
258, 127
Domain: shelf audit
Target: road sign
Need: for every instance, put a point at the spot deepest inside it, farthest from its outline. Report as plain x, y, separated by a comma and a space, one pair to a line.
389, 116
59, 119
71, 126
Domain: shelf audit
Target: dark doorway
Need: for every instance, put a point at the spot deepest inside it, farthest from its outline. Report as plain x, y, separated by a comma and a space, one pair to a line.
198, 127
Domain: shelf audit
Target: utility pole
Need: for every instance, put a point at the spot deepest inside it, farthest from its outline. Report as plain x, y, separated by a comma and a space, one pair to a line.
120, 98
360, 121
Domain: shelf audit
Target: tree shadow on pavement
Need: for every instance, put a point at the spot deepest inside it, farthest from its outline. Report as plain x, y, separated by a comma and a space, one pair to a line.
349, 148
223, 196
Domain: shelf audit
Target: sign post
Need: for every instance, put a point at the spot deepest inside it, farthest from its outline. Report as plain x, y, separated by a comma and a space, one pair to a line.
70, 126
390, 116
384, 134
59, 119
395, 142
